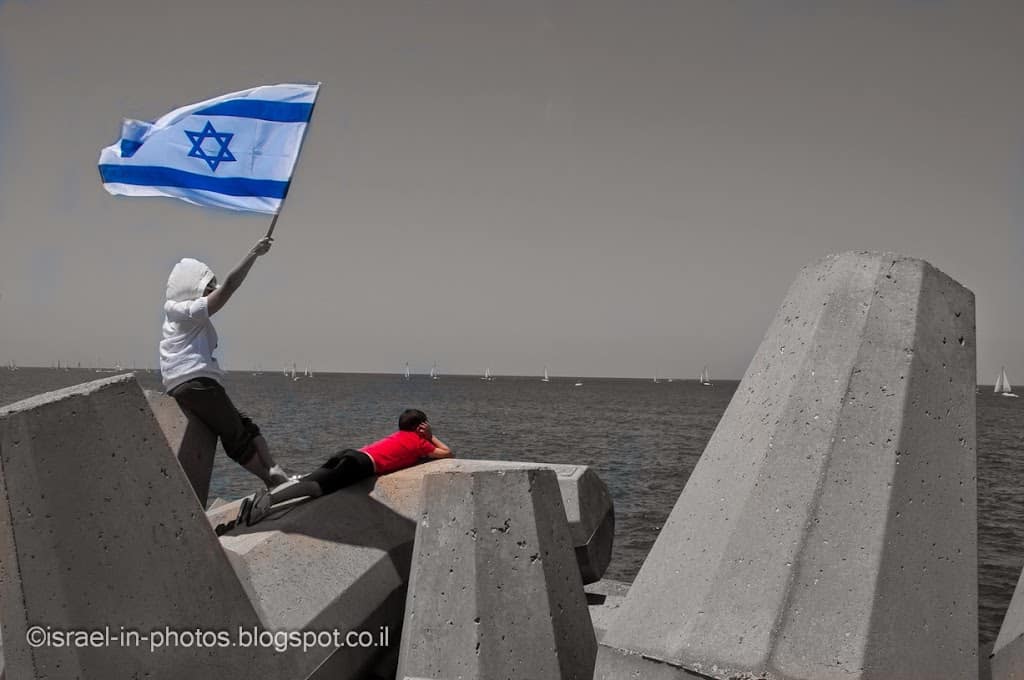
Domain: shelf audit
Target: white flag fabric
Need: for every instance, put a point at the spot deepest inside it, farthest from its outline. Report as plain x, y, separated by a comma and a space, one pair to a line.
236, 151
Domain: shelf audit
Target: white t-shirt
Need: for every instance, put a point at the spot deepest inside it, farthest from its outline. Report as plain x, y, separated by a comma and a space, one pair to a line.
189, 338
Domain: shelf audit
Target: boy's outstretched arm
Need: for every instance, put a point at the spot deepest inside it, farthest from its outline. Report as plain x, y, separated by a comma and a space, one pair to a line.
219, 297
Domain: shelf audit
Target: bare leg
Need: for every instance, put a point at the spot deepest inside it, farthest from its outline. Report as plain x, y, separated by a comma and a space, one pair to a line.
255, 465
263, 451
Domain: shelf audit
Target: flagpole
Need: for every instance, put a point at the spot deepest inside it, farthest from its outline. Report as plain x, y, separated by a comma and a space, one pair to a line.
312, 109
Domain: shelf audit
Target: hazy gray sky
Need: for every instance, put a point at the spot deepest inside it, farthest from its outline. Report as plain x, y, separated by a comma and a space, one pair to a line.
616, 189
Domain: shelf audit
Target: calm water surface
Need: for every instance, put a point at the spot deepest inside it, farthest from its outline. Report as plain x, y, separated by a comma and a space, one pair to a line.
642, 438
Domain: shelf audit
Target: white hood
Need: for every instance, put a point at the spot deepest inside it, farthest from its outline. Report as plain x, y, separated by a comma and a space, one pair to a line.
188, 280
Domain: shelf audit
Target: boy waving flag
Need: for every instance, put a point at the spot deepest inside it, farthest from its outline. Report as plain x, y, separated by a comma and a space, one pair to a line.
236, 151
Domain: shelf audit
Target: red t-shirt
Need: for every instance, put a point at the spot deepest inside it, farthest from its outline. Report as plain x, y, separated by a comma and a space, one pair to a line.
397, 451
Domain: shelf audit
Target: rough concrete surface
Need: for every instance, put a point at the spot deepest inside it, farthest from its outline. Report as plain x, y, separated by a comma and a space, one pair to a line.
1007, 662
495, 591
354, 547
829, 529
99, 528
190, 440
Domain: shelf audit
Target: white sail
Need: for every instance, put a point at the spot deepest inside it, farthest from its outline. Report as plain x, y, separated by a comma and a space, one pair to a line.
407, 375
433, 371
487, 375
545, 378
999, 381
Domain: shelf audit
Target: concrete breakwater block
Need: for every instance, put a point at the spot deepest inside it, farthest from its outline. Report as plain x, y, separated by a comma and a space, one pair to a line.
829, 529
100, 535
604, 599
336, 563
352, 550
1007, 662
192, 443
494, 590
588, 505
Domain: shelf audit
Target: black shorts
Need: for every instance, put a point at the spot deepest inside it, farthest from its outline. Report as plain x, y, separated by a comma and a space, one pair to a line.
206, 399
343, 468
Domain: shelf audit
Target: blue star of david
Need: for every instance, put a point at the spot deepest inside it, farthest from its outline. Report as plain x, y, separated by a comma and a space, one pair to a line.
222, 138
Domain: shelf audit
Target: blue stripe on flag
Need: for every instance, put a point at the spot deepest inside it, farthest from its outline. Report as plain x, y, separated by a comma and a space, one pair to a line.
129, 147
149, 175
280, 112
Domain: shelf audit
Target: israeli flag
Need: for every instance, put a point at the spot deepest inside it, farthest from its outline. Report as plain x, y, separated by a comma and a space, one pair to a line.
236, 151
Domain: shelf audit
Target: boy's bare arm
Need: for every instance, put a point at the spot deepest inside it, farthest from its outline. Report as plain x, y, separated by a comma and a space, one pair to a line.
441, 449
218, 298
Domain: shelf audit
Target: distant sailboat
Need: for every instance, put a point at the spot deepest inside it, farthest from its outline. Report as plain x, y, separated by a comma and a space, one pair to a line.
309, 373
655, 378
545, 378
1003, 384
294, 377
578, 384
705, 376
433, 371
487, 375
407, 375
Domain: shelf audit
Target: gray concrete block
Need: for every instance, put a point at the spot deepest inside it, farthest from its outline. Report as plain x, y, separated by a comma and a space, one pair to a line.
1007, 661
604, 600
829, 530
588, 505
100, 531
340, 562
495, 591
104, 530
353, 548
192, 442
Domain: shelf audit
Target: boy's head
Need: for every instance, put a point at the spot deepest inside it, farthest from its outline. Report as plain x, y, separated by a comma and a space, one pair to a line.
410, 419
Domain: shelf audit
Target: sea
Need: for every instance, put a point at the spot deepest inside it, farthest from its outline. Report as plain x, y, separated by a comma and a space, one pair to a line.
643, 438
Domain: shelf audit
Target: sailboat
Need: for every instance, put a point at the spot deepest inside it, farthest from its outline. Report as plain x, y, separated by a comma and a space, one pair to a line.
295, 377
309, 373
1003, 384
655, 378
705, 376
406, 375
545, 378
487, 375
433, 371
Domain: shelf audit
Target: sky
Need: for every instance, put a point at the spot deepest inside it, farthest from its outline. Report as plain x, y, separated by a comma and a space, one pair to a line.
621, 189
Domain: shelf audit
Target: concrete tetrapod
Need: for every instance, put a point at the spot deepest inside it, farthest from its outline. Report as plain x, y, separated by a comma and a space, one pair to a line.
192, 443
829, 529
588, 505
352, 549
494, 590
1008, 652
101, 537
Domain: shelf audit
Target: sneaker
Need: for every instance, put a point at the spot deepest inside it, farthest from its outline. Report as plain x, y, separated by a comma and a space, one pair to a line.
277, 477
260, 508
